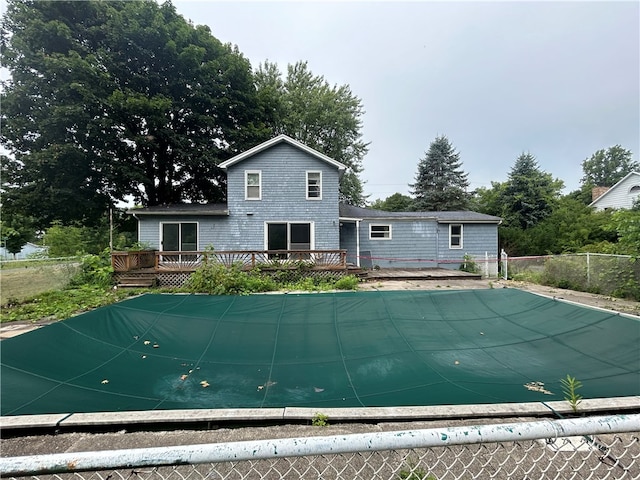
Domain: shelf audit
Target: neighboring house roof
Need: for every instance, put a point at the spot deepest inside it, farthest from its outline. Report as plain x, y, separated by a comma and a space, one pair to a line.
275, 141
352, 212
608, 199
207, 209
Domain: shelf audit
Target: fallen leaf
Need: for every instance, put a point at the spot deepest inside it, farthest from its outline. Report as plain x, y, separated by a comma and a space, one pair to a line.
105, 381
147, 342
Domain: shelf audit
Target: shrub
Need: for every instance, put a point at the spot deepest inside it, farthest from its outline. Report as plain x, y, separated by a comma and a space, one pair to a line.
217, 279
95, 270
469, 265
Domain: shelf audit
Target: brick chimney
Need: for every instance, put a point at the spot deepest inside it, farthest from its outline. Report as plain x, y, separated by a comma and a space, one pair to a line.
597, 192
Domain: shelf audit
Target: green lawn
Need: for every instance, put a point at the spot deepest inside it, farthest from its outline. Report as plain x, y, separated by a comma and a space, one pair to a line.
29, 280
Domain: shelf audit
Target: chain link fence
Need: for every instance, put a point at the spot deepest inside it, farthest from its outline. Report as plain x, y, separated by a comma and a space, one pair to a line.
617, 275
604, 447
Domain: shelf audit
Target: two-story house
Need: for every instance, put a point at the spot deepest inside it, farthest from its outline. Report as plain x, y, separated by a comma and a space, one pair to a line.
283, 195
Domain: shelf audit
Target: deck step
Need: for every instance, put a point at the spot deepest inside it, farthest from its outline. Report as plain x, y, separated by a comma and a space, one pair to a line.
139, 281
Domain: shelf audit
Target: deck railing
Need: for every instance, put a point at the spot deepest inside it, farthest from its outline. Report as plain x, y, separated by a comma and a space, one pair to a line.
134, 260
248, 259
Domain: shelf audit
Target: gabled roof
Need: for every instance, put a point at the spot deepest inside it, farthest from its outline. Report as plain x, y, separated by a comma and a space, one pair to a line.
614, 188
183, 209
275, 141
463, 216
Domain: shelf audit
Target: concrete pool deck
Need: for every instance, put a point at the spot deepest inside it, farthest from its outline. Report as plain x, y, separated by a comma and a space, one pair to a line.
176, 419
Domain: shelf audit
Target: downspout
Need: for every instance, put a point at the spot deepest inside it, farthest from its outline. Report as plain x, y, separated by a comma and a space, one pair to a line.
358, 243
437, 244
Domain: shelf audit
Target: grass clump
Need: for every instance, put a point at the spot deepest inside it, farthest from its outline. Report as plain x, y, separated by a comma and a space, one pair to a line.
61, 304
412, 472
320, 420
570, 385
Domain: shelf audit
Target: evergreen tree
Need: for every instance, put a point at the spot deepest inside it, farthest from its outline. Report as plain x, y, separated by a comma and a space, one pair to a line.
440, 182
530, 194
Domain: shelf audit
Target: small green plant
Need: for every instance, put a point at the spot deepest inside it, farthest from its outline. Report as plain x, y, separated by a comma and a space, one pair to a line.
469, 265
569, 387
320, 420
412, 472
94, 270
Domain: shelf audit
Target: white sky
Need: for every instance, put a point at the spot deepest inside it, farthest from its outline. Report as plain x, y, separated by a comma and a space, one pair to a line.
558, 79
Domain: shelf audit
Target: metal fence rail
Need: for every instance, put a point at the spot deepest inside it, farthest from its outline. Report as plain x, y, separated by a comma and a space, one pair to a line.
581, 448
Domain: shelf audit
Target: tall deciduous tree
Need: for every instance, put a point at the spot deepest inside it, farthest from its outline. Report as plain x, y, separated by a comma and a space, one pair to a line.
327, 118
394, 203
440, 182
607, 167
530, 194
111, 99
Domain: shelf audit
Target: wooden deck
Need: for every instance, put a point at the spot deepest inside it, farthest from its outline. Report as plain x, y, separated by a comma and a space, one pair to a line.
420, 274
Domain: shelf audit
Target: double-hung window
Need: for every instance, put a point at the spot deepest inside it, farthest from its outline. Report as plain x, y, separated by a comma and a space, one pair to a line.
380, 232
455, 236
253, 185
314, 185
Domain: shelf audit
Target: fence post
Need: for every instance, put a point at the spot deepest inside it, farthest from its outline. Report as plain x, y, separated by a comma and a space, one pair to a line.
588, 271
505, 261
486, 264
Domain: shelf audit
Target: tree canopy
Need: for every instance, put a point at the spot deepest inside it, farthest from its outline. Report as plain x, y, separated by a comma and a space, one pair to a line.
327, 118
394, 203
440, 184
530, 194
607, 167
114, 99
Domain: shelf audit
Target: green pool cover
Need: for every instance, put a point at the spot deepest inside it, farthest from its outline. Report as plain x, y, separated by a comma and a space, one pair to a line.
320, 350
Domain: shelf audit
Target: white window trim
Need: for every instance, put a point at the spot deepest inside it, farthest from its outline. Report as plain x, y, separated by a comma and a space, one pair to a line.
307, 185
390, 237
246, 184
312, 232
456, 247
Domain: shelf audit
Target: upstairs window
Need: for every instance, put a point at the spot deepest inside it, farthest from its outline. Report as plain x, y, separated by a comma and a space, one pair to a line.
314, 185
253, 185
455, 236
380, 232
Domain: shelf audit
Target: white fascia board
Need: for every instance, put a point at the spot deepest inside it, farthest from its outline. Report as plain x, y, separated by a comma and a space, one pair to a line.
274, 141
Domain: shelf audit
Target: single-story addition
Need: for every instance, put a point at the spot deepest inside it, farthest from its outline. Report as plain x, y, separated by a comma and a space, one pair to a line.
283, 202
419, 239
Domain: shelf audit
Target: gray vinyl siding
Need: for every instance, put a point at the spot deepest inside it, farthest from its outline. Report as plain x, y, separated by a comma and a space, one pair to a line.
419, 243
211, 230
412, 244
284, 183
477, 240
